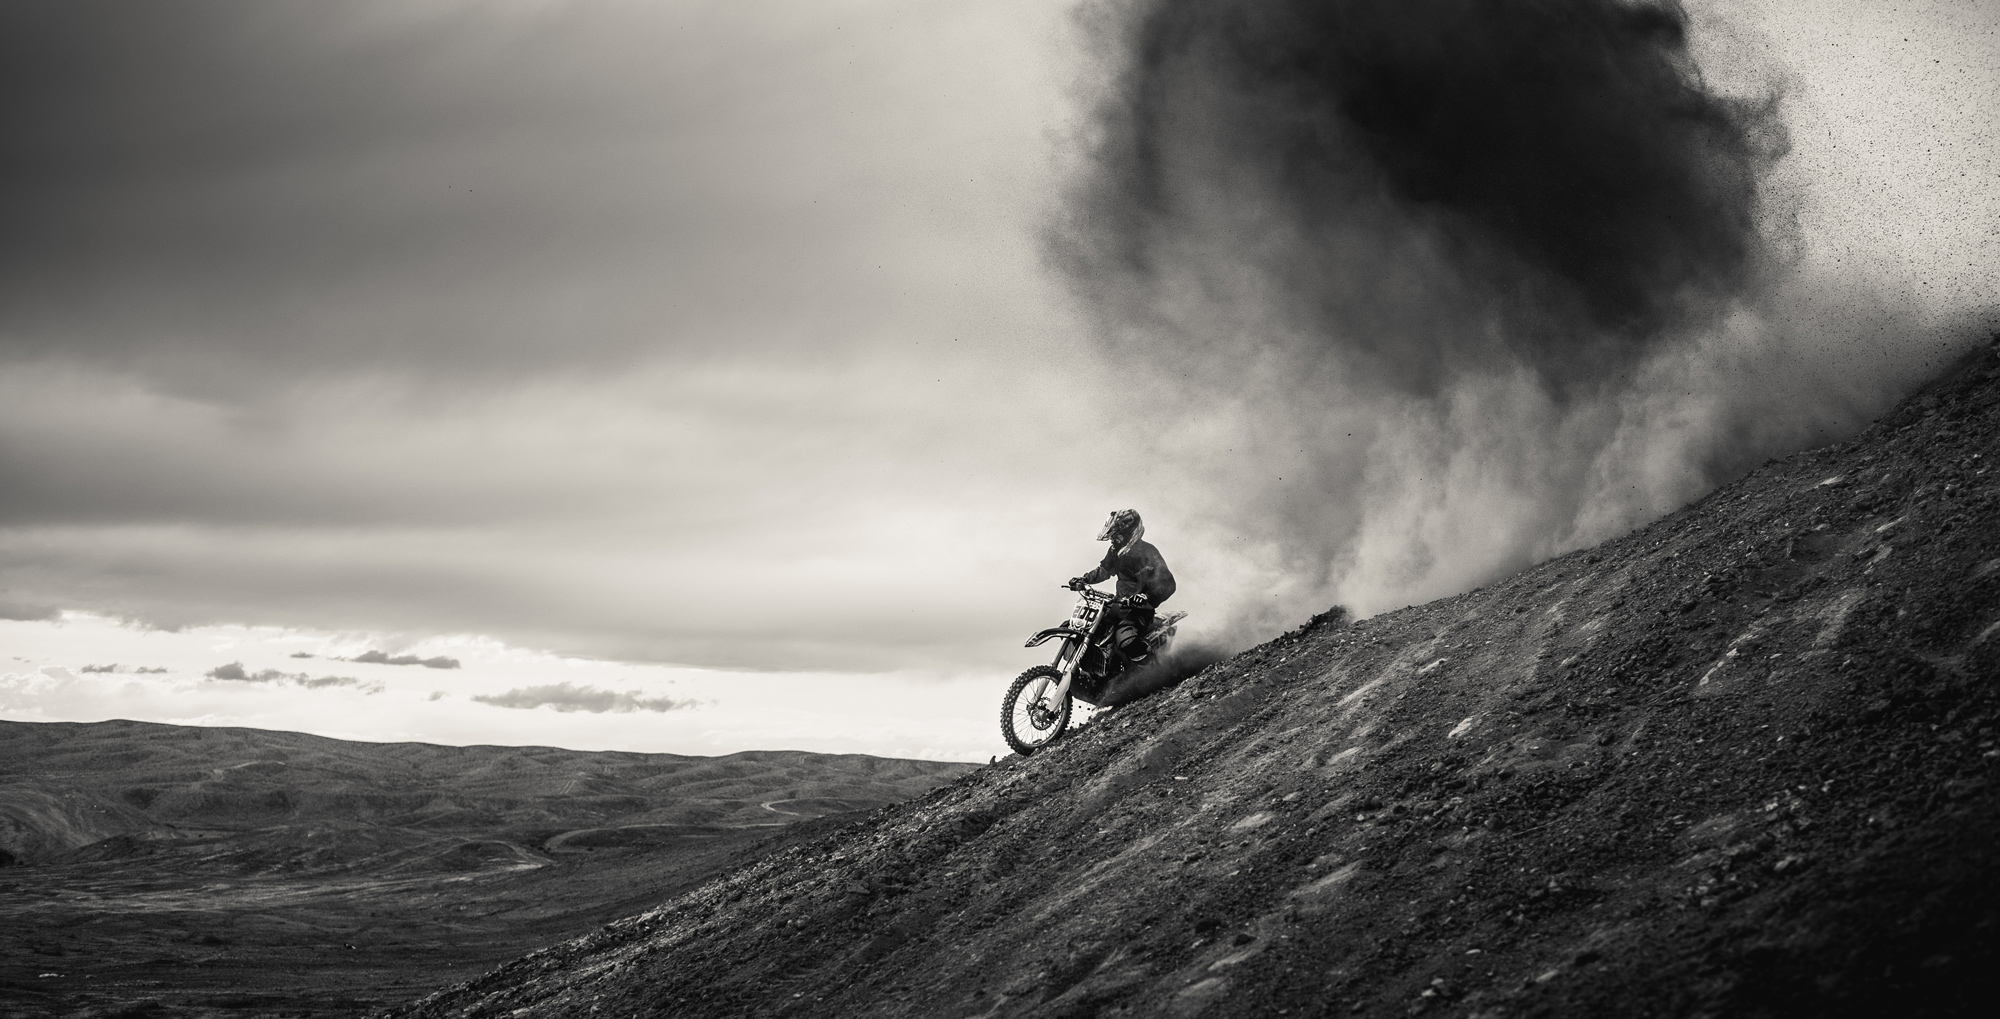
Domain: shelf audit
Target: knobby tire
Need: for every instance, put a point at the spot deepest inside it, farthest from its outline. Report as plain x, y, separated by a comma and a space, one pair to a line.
1015, 692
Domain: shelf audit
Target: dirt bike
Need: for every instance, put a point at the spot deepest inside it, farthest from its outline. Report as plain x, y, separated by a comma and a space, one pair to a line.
1036, 709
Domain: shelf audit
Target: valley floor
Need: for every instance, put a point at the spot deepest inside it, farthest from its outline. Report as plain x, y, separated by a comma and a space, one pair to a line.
171, 930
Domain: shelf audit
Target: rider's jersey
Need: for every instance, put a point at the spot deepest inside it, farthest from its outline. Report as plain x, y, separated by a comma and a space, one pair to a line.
1139, 567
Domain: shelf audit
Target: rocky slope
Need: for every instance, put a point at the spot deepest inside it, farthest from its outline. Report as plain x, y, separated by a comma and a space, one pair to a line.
1740, 762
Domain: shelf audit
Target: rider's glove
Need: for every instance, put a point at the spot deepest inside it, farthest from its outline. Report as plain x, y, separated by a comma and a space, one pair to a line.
1135, 600
1076, 584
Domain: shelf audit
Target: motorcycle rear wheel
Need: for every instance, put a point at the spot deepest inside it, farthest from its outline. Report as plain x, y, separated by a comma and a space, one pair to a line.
1030, 727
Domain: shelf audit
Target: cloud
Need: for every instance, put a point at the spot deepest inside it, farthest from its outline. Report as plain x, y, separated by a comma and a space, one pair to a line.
731, 340
566, 697
27, 613
477, 192
115, 667
583, 329
235, 672
326, 681
383, 658
676, 562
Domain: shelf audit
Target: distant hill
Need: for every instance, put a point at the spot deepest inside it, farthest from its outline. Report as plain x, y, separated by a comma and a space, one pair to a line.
181, 871
1741, 762
66, 785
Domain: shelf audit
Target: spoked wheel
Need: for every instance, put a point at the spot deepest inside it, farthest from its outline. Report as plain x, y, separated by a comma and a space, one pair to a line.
1027, 718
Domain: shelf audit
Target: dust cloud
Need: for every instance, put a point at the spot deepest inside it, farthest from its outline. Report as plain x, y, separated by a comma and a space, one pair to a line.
1177, 664
1410, 294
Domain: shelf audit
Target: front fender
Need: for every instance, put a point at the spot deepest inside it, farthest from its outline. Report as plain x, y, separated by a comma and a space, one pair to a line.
1053, 631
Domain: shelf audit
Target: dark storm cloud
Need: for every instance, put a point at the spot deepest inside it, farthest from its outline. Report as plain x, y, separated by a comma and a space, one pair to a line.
566, 697
227, 196
156, 169
1431, 187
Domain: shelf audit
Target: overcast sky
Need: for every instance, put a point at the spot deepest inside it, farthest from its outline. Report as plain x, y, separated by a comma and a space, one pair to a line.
714, 342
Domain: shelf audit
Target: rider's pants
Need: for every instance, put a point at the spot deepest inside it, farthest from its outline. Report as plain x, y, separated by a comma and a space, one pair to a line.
1129, 624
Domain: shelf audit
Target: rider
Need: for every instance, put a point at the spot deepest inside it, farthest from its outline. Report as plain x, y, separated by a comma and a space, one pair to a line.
1143, 582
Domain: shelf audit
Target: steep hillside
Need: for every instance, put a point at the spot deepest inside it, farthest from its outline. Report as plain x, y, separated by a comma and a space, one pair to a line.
178, 871
1737, 763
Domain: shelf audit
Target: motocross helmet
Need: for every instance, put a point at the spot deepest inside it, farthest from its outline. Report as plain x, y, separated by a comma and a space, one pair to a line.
1121, 529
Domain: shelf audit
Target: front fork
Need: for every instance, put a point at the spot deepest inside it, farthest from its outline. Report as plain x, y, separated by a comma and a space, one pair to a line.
1066, 661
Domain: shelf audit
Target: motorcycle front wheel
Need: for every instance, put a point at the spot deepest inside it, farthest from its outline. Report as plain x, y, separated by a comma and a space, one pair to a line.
1032, 726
